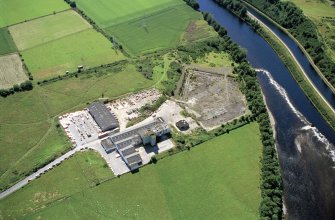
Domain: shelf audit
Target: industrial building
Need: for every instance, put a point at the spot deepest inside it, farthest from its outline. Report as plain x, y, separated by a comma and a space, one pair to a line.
125, 142
103, 117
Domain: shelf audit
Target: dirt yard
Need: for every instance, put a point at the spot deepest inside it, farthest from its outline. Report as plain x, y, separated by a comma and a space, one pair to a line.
214, 98
11, 71
128, 107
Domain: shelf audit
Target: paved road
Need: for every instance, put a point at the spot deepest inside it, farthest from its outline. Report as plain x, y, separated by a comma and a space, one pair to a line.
296, 61
91, 145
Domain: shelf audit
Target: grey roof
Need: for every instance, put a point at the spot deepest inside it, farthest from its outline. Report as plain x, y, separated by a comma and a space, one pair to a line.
128, 151
134, 159
102, 116
107, 144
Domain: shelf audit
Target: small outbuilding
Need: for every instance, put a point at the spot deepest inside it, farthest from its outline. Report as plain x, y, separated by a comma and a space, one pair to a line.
182, 125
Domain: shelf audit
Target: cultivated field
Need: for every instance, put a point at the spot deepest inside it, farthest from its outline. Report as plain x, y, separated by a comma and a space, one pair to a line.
160, 30
11, 71
110, 12
216, 180
62, 42
323, 15
6, 42
14, 11
28, 134
47, 29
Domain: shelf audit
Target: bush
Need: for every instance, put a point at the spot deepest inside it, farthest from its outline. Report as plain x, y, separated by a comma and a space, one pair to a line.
26, 86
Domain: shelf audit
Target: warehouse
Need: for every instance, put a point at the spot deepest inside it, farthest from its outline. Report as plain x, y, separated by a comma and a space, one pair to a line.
126, 141
103, 117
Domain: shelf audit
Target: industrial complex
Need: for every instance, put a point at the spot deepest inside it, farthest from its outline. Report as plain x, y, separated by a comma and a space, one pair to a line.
120, 147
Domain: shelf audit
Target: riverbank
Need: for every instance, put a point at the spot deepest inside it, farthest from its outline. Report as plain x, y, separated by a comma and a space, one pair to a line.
316, 68
273, 126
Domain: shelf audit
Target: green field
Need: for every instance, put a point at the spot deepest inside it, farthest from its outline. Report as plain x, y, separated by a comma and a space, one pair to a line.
47, 29
7, 44
215, 180
28, 133
87, 48
14, 11
323, 15
62, 42
161, 30
110, 12
82, 171
143, 26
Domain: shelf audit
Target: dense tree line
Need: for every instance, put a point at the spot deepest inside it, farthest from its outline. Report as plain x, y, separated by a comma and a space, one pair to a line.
239, 9
193, 3
271, 182
25, 86
303, 29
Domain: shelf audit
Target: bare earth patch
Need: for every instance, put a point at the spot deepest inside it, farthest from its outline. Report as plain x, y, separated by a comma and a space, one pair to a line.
214, 98
11, 71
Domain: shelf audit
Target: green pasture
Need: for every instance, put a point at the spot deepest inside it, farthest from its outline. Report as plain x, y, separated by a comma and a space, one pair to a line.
110, 12
43, 30
7, 44
87, 48
15, 11
215, 180
156, 31
28, 133
82, 171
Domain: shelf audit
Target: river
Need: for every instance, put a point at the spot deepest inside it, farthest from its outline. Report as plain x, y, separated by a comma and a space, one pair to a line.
305, 142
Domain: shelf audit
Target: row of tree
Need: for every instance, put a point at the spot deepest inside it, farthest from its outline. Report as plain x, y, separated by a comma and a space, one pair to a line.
271, 181
193, 3
25, 86
238, 9
288, 15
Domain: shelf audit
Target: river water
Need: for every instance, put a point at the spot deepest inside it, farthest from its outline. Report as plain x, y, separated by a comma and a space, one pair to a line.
305, 142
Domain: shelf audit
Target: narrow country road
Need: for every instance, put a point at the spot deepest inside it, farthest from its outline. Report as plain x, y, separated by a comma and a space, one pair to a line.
25, 181
295, 60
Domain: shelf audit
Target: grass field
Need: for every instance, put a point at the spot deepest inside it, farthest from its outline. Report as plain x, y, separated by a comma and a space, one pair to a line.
61, 42
28, 133
83, 170
7, 44
46, 29
110, 12
87, 48
11, 71
323, 15
163, 29
14, 11
215, 180
143, 26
